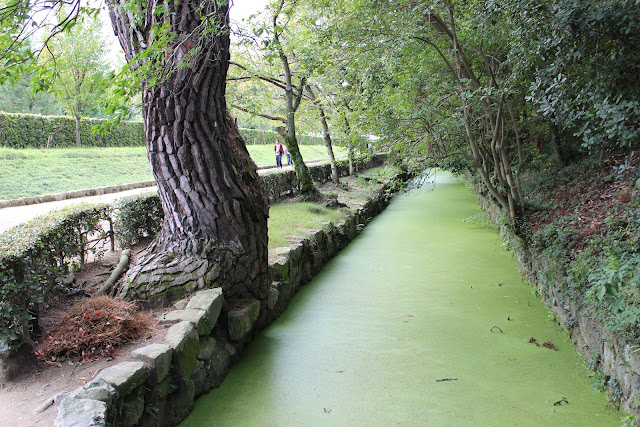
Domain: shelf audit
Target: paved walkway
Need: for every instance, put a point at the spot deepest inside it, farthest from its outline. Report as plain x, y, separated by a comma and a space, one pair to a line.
12, 216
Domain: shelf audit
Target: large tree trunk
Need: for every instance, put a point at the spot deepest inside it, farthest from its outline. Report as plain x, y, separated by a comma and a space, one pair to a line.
215, 226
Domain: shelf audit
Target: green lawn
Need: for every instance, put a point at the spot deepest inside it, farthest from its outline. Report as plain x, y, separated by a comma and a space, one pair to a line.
30, 172
292, 221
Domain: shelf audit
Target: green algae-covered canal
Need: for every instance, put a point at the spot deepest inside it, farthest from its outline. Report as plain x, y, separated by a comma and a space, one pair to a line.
396, 330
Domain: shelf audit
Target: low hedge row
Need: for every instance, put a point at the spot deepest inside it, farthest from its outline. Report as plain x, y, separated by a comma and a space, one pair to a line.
35, 131
34, 255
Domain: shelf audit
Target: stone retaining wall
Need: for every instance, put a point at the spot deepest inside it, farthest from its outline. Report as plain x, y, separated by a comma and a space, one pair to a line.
617, 361
158, 383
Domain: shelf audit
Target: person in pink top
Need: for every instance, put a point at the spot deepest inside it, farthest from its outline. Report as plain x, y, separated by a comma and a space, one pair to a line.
279, 152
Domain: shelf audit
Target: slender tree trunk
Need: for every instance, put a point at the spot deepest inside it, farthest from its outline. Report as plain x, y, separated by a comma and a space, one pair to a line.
302, 171
215, 226
335, 177
347, 128
77, 119
292, 103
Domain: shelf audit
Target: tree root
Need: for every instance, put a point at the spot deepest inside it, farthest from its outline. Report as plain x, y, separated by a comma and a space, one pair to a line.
122, 264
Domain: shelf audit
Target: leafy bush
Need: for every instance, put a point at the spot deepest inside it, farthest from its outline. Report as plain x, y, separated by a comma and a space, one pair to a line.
137, 217
33, 254
591, 258
585, 59
608, 275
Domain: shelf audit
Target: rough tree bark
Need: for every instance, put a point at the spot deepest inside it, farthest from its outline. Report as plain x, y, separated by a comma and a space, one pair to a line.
215, 226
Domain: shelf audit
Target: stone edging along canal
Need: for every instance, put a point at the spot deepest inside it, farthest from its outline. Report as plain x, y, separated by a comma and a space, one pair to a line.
617, 361
157, 386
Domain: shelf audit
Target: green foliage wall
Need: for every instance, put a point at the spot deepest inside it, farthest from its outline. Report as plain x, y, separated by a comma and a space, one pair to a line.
32, 255
257, 136
34, 131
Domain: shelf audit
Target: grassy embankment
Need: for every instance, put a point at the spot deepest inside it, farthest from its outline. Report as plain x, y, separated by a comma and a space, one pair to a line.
587, 227
30, 172
291, 221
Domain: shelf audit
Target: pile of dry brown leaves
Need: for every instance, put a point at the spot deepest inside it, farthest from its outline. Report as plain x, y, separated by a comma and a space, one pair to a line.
93, 328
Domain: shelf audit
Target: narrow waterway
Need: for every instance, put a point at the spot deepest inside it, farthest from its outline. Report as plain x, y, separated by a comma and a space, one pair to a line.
397, 330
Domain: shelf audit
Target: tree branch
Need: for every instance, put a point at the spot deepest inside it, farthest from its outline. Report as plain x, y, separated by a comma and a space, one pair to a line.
266, 116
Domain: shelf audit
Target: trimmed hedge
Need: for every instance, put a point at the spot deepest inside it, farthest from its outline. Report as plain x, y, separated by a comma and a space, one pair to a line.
268, 137
35, 131
137, 217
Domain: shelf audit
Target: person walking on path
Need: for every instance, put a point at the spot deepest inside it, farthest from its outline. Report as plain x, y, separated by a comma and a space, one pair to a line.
279, 149
288, 154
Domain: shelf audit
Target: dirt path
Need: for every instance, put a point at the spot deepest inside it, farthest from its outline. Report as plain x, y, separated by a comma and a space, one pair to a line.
19, 400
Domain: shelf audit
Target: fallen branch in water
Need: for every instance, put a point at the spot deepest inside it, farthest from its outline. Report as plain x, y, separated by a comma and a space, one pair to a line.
496, 327
559, 402
446, 379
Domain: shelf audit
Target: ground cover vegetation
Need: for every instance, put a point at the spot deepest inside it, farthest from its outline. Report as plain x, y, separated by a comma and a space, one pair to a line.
31, 172
515, 93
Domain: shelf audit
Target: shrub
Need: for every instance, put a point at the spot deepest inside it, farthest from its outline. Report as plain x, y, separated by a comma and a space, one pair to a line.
137, 217
33, 254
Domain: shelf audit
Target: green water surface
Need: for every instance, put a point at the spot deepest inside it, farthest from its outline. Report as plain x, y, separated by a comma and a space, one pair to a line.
411, 301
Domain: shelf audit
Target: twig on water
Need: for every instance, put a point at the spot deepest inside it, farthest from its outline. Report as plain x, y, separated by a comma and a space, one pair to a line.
561, 401
446, 379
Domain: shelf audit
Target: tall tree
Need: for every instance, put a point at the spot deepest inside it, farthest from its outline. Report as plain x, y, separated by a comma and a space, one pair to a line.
270, 41
215, 227
78, 56
326, 135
